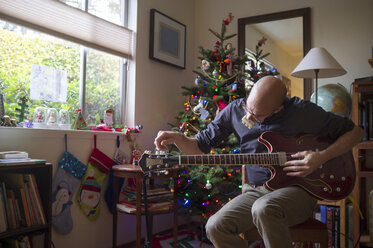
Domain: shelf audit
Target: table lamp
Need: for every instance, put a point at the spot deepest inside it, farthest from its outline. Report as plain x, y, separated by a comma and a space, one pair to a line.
318, 63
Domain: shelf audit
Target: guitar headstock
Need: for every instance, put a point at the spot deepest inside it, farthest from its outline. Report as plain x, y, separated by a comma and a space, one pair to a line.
154, 162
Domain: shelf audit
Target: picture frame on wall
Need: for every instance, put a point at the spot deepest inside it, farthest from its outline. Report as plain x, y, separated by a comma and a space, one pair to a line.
167, 40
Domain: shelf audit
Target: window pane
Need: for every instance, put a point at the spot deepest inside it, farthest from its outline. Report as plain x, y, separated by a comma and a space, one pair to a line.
102, 85
20, 48
74, 3
106, 9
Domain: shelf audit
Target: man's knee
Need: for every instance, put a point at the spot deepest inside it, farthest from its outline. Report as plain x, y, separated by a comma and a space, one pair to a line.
262, 209
211, 226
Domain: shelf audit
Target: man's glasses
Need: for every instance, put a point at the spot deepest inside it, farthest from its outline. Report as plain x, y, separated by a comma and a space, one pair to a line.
248, 111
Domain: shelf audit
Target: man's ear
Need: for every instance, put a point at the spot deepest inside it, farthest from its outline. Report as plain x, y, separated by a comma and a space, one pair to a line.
278, 109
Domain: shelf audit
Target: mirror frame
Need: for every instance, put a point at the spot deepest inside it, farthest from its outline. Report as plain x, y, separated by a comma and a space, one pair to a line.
305, 13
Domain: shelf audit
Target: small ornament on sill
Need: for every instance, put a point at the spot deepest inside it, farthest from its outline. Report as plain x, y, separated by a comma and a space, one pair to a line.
40, 117
109, 118
52, 120
79, 123
64, 119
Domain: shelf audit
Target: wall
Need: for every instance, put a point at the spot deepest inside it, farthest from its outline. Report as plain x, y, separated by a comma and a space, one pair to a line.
282, 60
343, 27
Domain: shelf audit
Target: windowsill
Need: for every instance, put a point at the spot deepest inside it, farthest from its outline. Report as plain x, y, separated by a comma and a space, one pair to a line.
58, 132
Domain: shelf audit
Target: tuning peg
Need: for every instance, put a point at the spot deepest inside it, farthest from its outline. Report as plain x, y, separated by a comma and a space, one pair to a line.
147, 152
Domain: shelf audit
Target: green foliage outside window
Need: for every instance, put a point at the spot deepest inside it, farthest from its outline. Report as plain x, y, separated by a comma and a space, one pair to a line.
18, 52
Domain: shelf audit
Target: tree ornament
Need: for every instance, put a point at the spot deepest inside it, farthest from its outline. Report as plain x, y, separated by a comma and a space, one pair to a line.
234, 86
208, 186
215, 73
205, 65
228, 20
198, 80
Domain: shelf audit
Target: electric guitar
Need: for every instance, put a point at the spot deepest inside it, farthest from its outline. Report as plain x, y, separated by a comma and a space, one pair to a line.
333, 180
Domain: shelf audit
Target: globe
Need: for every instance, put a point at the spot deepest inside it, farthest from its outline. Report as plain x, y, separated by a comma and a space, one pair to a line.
334, 98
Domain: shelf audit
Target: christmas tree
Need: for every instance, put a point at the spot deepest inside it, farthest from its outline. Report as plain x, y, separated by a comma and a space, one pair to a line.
222, 78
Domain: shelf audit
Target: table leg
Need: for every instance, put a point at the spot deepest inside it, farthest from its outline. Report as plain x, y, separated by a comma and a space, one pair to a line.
138, 211
115, 213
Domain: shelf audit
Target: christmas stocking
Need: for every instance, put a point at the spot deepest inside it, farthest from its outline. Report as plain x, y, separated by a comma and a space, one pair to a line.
65, 183
119, 158
88, 198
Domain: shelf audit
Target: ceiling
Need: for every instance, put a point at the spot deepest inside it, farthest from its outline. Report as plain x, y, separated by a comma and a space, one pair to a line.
287, 34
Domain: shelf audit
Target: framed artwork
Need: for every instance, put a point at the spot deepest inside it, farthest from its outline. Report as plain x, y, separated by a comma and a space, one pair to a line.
167, 39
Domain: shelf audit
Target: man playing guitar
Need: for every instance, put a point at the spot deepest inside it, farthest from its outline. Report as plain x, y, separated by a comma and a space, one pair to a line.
271, 211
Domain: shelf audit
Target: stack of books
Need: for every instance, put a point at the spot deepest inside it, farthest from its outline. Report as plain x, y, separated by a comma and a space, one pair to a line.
20, 202
17, 157
159, 199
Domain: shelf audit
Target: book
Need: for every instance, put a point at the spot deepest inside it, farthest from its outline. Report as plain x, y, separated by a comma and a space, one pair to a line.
25, 206
336, 222
8, 216
323, 213
364, 79
32, 203
20, 161
39, 204
3, 221
364, 119
13, 220
13, 154
330, 225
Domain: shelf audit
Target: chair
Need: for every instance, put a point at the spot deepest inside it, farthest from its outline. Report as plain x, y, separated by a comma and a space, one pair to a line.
311, 230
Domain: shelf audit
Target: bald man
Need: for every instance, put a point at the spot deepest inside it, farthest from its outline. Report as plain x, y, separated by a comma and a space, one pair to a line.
267, 109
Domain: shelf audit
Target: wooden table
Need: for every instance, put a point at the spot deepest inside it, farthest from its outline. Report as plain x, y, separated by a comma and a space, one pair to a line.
134, 171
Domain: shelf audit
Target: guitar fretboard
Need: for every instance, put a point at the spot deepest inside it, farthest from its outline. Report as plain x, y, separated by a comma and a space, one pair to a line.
234, 159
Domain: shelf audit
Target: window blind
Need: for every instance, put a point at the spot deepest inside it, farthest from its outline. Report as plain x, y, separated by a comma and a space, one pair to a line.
69, 23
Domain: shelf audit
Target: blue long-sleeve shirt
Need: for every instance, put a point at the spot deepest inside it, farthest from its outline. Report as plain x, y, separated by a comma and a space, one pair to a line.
297, 116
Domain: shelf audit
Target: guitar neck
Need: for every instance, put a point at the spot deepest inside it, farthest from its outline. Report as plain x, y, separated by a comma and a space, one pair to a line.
234, 159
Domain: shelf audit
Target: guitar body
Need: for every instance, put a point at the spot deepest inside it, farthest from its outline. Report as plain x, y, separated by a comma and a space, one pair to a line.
334, 180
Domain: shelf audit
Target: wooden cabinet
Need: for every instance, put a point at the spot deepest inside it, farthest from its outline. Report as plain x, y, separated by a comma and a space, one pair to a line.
43, 176
362, 91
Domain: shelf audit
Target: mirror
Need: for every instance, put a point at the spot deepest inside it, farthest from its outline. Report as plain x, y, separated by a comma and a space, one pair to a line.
288, 35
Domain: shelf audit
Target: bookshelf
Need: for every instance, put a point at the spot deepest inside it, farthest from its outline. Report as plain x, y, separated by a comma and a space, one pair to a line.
43, 178
362, 91
342, 218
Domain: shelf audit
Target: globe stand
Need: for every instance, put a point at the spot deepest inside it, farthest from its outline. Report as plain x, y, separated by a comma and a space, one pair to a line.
316, 84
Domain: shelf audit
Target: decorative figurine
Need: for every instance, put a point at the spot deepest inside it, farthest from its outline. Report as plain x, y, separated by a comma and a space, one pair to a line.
40, 117
64, 119
109, 118
52, 118
6, 121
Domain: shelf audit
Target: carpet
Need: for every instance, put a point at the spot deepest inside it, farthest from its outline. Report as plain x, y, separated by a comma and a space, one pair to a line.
186, 239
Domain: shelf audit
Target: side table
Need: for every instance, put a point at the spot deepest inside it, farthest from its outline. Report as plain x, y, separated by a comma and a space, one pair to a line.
134, 171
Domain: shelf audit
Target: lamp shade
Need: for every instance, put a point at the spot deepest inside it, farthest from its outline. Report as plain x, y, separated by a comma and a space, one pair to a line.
318, 58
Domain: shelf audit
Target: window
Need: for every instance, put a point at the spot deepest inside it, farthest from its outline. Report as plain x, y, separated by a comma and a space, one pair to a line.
95, 79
